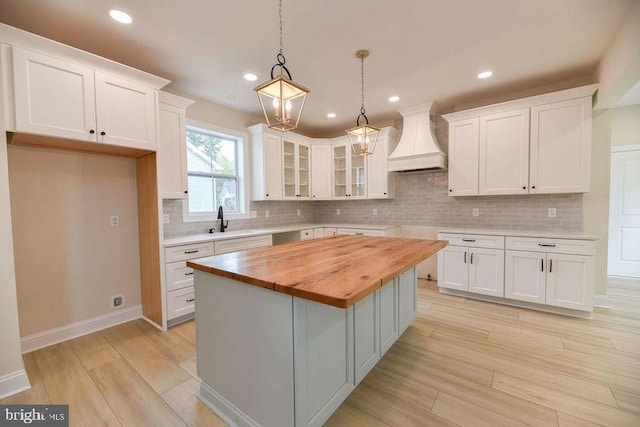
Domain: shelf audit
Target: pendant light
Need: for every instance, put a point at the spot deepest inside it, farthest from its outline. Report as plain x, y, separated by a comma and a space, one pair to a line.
281, 98
363, 137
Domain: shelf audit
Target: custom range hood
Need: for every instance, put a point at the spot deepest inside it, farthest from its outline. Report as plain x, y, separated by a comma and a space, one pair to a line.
418, 148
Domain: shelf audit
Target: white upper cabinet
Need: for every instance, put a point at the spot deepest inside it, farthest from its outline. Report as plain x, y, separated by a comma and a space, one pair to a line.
463, 157
172, 146
504, 153
62, 99
53, 97
296, 173
321, 172
535, 145
380, 183
266, 160
561, 146
349, 173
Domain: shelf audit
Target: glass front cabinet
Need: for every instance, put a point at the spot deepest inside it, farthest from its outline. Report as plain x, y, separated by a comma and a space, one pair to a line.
349, 173
295, 163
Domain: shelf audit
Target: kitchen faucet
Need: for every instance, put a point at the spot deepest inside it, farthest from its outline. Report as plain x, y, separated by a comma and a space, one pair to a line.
223, 226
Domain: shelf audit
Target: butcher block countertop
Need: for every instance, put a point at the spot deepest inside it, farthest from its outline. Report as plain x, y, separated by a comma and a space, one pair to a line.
338, 270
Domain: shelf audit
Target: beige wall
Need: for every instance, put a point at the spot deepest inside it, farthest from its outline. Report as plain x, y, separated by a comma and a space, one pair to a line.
69, 260
625, 125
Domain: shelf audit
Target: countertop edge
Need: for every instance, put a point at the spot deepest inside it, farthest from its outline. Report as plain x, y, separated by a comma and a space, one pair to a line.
576, 235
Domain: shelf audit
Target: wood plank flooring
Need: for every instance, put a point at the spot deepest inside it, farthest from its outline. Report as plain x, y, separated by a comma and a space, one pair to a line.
462, 362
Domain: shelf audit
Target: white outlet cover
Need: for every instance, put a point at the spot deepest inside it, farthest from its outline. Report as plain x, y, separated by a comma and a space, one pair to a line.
475, 212
338, 211
298, 212
165, 219
254, 214
375, 212
267, 213
114, 220
552, 212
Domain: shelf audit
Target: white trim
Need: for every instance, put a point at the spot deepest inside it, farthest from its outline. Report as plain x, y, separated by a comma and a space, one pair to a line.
623, 281
601, 301
14, 383
151, 322
621, 148
226, 410
83, 327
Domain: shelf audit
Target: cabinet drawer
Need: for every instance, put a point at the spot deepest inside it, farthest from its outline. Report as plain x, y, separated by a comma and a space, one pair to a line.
185, 252
180, 302
178, 275
361, 232
306, 234
243, 244
557, 246
318, 232
473, 240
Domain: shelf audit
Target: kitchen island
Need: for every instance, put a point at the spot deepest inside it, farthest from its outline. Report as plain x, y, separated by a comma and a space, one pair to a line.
285, 333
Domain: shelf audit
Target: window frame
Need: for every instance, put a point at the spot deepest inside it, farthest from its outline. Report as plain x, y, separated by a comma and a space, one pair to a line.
242, 153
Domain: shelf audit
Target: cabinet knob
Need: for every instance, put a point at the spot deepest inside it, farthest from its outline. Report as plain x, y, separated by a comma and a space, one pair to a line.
533, 186
267, 195
103, 133
92, 131
524, 188
384, 194
450, 191
186, 191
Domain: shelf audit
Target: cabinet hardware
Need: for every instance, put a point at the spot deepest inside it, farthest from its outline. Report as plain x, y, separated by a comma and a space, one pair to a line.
471, 261
384, 194
533, 186
545, 245
314, 195
191, 300
468, 240
524, 188
542, 264
267, 195
186, 191
450, 191
550, 266
103, 133
359, 234
465, 257
189, 274
194, 251
92, 131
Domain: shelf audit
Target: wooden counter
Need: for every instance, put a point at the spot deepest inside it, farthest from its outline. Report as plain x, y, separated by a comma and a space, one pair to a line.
338, 270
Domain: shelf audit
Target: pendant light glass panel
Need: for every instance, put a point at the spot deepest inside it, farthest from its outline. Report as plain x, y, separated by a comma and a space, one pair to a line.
282, 101
363, 139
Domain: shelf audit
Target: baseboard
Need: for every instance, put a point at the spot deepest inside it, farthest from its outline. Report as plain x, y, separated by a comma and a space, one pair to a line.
231, 415
601, 301
623, 282
14, 383
83, 327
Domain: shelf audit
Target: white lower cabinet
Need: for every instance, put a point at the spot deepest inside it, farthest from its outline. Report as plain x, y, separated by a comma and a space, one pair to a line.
361, 232
366, 314
407, 291
525, 276
388, 316
180, 302
470, 268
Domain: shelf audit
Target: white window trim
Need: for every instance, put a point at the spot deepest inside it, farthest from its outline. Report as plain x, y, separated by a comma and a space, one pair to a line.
243, 174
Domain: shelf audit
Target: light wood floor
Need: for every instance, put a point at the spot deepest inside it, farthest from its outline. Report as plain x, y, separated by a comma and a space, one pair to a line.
461, 362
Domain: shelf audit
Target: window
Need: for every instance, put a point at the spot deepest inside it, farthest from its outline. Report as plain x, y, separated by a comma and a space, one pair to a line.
215, 174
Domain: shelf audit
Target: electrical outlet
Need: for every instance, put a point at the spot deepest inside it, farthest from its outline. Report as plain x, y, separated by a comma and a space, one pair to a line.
338, 211
298, 212
375, 212
552, 212
114, 221
117, 301
165, 219
475, 212
254, 214
267, 213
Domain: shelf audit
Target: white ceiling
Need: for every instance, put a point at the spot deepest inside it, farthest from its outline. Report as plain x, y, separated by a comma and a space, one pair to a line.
421, 50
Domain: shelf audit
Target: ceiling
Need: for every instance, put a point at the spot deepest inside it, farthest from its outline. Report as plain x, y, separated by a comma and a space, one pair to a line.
421, 50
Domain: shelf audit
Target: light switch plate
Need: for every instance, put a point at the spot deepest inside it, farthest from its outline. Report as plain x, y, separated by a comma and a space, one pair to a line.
552, 212
475, 212
298, 212
338, 211
114, 220
267, 213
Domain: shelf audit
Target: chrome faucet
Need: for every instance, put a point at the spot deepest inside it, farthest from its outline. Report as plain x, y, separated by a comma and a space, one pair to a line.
223, 226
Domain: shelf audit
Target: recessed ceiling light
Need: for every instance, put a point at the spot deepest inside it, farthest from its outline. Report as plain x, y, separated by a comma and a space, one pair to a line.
250, 77
394, 98
120, 16
485, 74
331, 115
230, 97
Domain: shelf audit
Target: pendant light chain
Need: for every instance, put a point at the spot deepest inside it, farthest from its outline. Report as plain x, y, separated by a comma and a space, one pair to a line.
280, 16
362, 83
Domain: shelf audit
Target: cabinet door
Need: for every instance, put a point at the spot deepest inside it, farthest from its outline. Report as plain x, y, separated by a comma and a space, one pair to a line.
570, 281
340, 171
358, 175
388, 316
377, 175
453, 272
504, 153
561, 147
463, 157
407, 299
366, 327
172, 156
321, 172
272, 164
288, 169
303, 173
486, 271
126, 112
525, 276
53, 97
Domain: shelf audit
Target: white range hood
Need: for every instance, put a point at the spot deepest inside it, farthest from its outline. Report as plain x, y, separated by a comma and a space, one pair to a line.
418, 148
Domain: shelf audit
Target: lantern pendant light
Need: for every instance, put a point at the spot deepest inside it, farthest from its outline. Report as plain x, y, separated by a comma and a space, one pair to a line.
281, 98
363, 138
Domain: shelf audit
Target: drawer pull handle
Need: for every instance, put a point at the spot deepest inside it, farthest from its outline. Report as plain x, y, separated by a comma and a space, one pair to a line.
545, 245
542, 265
465, 257
468, 240
191, 300
359, 234
471, 262
195, 251
189, 274
550, 266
